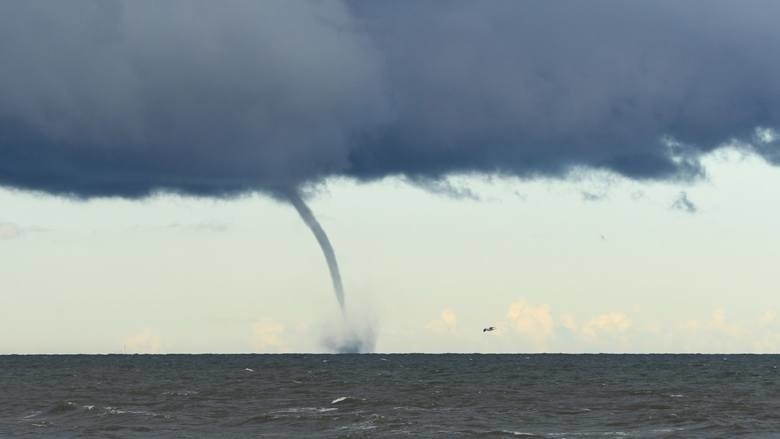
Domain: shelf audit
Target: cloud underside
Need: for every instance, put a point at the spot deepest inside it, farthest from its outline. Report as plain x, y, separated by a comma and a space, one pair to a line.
127, 98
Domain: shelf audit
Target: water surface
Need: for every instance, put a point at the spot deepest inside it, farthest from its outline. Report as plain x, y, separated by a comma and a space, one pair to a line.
556, 396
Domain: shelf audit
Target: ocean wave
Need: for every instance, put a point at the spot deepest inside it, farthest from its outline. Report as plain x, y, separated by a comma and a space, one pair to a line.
180, 393
119, 411
201, 397
296, 410
61, 408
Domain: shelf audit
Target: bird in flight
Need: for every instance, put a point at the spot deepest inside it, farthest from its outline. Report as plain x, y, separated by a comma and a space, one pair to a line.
489, 329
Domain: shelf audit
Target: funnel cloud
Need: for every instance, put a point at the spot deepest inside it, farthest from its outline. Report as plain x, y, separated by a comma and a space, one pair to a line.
322, 239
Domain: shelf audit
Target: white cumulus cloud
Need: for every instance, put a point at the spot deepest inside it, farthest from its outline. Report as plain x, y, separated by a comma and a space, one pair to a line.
267, 337
9, 231
447, 323
144, 342
612, 324
534, 322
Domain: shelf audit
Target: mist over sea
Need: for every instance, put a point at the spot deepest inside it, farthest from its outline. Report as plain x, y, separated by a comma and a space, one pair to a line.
465, 395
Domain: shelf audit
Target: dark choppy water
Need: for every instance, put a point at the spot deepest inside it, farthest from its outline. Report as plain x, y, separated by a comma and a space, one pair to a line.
554, 396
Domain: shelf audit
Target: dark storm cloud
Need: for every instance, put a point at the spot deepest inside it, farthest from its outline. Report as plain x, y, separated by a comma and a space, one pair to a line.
102, 97
123, 97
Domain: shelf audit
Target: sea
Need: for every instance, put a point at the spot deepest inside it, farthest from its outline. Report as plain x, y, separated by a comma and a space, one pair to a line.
390, 395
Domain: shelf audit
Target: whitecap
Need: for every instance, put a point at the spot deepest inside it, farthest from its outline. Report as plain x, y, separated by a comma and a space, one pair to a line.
667, 430
117, 411
345, 399
114, 411
180, 393
32, 415
304, 410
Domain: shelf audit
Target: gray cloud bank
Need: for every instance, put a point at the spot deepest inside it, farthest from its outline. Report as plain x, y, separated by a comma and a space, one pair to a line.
125, 98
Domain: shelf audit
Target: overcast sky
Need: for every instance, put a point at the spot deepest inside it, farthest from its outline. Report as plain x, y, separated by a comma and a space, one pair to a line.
585, 176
